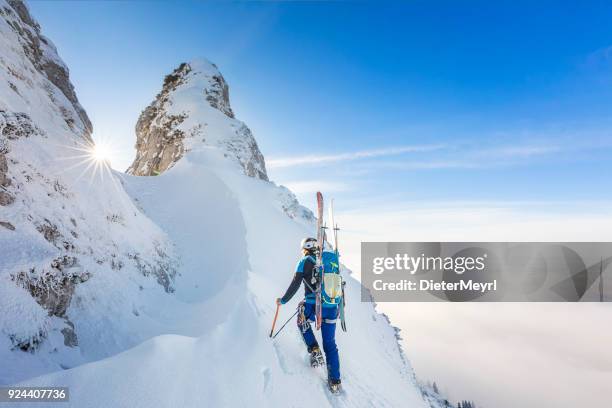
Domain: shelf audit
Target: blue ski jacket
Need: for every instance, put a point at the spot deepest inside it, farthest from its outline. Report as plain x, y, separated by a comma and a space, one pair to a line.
303, 272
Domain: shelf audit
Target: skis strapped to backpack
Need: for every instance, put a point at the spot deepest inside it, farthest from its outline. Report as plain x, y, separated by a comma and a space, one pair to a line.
330, 287
341, 311
335, 230
319, 266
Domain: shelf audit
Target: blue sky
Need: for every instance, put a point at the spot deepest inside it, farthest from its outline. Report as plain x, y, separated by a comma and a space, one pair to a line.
497, 101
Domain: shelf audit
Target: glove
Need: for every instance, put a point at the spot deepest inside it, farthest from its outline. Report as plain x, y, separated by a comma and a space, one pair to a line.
279, 301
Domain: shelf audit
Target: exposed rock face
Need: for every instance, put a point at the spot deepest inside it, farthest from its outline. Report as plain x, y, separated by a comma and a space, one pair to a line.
7, 225
58, 228
193, 111
53, 288
14, 126
159, 141
291, 206
43, 55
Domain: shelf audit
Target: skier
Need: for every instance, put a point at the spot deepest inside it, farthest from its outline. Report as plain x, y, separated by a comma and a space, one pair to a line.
304, 272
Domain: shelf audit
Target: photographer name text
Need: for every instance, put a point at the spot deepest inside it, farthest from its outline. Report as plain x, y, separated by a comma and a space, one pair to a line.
430, 285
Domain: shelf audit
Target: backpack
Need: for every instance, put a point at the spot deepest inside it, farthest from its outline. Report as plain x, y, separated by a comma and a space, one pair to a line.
331, 284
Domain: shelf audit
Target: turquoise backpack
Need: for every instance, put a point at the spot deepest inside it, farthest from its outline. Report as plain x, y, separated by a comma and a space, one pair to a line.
331, 284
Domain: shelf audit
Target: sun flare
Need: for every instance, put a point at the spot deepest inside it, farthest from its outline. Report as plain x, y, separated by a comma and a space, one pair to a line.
92, 160
101, 152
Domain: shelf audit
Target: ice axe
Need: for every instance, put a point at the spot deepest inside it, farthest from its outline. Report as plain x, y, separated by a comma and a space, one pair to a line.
275, 317
272, 334
283, 326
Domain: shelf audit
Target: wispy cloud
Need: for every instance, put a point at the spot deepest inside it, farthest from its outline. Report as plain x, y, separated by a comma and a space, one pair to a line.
312, 186
519, 151
488, 157
434, 164
599, 57
457, 156
470, 157
361, 154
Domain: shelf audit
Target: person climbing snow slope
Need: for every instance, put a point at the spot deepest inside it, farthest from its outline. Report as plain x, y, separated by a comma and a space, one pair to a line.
306, 272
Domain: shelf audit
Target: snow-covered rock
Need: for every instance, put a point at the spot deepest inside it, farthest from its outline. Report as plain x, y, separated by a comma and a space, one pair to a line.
65, 221
192, 112
43, 57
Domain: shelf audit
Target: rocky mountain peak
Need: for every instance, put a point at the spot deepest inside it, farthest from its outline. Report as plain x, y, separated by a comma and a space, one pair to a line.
191, 111
41, 52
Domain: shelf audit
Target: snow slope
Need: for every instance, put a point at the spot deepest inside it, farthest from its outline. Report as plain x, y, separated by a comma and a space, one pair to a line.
241, 250
74, 249
158, 291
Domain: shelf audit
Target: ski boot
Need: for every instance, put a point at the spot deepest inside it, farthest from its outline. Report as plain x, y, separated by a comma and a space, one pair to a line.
316, 357
334, 386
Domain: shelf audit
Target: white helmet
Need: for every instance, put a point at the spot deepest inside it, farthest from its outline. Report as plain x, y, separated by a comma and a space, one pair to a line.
309, 244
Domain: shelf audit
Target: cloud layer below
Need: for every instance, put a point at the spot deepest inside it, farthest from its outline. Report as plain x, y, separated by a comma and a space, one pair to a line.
500, 355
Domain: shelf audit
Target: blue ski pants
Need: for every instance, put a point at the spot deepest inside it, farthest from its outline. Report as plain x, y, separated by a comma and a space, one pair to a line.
328, 333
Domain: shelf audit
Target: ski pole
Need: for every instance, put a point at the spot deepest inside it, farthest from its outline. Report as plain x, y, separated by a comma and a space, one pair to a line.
274, 321
283, 326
